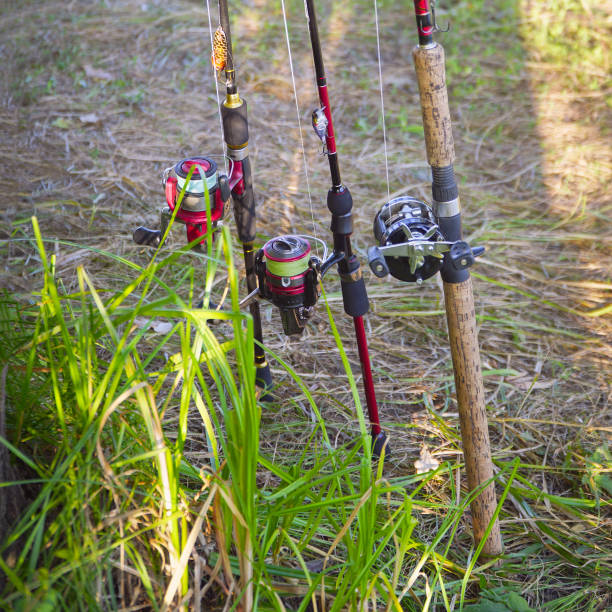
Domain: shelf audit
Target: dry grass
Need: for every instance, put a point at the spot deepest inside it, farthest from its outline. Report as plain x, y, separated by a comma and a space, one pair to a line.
97, 98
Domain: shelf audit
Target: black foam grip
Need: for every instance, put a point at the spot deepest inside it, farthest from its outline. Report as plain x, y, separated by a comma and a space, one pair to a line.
235, 125
244, 206
355, 297
339, 202
342, 224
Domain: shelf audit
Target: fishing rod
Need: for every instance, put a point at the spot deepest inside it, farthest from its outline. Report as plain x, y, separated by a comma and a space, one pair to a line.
340, 204
236, 136
415, 241
205, 180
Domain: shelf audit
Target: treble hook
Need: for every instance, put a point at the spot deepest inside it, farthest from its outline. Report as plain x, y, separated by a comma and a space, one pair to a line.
436, 27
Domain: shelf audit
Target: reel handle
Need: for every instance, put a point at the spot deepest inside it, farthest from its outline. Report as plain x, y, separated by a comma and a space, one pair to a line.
144, 235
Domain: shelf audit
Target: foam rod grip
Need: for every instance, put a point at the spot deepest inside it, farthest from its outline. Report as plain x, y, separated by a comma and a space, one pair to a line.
431, 77
463, 339
244, 206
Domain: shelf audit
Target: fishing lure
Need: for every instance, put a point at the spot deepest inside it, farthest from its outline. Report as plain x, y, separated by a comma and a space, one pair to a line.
219, 53
320, 123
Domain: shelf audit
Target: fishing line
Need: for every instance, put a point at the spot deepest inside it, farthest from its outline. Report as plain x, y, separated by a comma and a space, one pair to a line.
297, 111
210, 31
382, 98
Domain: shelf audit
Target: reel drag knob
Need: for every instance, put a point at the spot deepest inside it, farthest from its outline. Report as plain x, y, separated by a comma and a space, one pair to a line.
290, 282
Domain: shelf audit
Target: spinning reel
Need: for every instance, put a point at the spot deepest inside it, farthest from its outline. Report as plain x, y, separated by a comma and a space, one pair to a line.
289, 277
192, 212
411, 246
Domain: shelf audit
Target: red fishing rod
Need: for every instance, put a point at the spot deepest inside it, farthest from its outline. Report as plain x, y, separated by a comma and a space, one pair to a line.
340, 204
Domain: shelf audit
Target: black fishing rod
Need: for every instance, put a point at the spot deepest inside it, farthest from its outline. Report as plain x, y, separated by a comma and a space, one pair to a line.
340, 204
205, 179
236, 136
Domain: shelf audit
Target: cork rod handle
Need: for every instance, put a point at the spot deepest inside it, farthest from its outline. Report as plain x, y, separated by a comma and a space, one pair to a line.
463, 338
458, 297
431, 76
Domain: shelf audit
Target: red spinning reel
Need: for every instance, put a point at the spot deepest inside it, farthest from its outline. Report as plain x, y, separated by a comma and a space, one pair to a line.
192, 211
205, 182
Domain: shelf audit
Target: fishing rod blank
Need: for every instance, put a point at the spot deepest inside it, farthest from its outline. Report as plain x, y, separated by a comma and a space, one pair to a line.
236, 135
340, 204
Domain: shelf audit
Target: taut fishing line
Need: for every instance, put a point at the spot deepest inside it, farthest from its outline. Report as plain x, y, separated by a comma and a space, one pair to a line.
382, 98
297, 112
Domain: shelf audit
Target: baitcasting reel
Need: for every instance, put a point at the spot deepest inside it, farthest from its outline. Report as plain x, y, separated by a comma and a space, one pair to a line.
411, 245
192, 211
289, 277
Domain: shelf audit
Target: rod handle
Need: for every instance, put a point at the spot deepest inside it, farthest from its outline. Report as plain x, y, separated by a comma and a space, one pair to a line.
244, 205
431, 77
463, 337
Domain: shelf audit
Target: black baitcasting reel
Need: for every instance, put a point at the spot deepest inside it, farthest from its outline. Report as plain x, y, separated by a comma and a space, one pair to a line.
411, 246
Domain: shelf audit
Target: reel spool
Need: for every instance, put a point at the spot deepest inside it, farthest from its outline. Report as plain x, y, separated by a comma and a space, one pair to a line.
411, 245
289, 278
193, 205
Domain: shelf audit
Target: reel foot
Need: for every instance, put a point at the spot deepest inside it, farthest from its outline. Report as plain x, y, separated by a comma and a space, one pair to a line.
146, 236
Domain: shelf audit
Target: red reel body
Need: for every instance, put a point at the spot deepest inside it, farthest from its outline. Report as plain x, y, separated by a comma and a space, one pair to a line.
287, 276
192, 209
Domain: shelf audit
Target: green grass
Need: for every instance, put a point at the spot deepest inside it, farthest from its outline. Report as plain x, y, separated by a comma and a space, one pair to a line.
113, 487
104, 428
